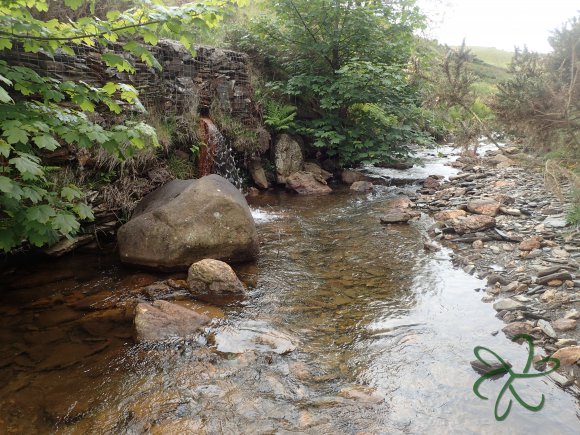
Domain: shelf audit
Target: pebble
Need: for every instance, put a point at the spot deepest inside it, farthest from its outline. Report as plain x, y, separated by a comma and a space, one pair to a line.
508, 304
547, 328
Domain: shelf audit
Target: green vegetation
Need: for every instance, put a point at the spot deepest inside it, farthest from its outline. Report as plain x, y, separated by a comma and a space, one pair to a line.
40, 114
540, 105
345, 62
493, 56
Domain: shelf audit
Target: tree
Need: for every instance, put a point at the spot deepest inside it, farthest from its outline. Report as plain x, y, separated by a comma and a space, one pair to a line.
541, 103
449, 93
41, 113
347, 61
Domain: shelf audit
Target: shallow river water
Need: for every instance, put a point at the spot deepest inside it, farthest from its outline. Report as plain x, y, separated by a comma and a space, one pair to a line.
373, 335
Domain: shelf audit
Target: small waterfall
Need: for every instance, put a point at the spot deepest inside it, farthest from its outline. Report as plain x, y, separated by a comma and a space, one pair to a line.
217, 157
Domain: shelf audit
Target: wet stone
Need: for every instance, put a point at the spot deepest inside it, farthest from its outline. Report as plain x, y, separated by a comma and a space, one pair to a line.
507, 304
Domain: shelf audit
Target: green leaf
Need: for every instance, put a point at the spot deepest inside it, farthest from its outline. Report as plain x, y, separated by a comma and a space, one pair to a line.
5, 184
46, 141
4, 96
5, 148
113, 15
73, 4
65, 223
40, 213
118, 62
5, 44
28, 166
14, 134
84, 212
149, 37
110, 88
70, 192
8, 239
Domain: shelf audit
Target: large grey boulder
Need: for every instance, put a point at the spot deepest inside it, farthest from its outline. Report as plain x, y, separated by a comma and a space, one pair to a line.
186, 221
288, 157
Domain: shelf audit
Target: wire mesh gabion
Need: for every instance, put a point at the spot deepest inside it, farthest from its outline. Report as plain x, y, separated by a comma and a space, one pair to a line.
212, 74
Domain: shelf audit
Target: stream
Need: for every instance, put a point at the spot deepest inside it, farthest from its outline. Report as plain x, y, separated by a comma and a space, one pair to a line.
349, 327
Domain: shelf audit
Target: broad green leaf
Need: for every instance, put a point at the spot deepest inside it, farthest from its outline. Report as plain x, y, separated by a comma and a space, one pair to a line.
110, 88
6, 184
4, 96
83, 211
149, 37
46, 141
40, 213
8, 239
5, 44
73, 4
5, 148
14, 133
118, 62
65, 223
70, 192
28, 166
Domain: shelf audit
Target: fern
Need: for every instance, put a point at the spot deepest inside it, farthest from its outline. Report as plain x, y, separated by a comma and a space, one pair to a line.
279, 117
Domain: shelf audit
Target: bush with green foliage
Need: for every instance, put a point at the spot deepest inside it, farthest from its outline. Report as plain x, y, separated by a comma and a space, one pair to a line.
345, 62
40, 114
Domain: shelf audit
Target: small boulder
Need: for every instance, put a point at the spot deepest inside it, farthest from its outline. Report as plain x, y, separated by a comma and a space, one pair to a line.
317, 171
287, 157
348, 176
472, 224
530, 243
487, 207
432, 182
305, 183
208, 278
362, 186
163, 320
258, 174
401, 201
449, 214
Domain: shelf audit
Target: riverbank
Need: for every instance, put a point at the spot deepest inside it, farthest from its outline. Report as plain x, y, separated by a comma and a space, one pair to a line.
504, 226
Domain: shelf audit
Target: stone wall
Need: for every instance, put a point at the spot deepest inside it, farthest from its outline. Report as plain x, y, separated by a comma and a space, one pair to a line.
212, 75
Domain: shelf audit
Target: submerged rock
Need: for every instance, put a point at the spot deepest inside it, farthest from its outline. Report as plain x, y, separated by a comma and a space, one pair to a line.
189, 220
362, 186
399, 216
213, 278
163, 320
252, 335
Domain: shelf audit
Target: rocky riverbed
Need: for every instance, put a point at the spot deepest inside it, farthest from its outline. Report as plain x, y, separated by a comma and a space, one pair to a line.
505, 226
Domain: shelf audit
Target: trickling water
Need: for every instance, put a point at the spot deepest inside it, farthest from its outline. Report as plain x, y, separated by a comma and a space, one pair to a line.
218, 157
